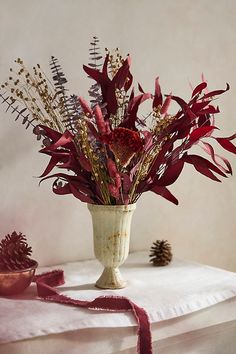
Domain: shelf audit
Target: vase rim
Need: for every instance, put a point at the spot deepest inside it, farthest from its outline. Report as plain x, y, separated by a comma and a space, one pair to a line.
121, 207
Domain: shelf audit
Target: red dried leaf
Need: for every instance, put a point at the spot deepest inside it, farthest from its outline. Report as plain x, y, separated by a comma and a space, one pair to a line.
157, 101
180, 101
166, 105
93, 73
108, 87
85, 163
112, 169
52, 163
232, 137
183, 127
122, 74
50, 133
126, 182
109, 94
165, 193
71, 163
190, 113
136, 101
65, 140
199, 88
209, 150
203, 166
171, 174
81, 196
160, 158
66, 177
198, 133
209, 110
198, 106
216, 92
140, 88
206, 172
114, 191
104, 75
226, 144
78, 189
61, 190
130, 120
55, 158
205, 120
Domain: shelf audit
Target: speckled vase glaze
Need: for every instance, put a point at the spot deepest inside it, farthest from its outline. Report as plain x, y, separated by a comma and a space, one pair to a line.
111, 235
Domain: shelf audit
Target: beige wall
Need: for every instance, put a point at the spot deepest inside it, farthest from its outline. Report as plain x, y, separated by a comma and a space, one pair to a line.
177, 40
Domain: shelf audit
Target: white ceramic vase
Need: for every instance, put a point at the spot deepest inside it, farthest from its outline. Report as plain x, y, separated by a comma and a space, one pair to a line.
111, 235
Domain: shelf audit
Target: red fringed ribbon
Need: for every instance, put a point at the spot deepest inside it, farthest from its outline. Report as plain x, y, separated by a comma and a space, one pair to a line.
45, 287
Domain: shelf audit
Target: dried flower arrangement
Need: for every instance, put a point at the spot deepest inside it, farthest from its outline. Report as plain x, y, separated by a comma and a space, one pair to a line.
112, 154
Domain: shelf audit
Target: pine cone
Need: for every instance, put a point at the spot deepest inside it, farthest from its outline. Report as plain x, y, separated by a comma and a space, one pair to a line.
14, 252
161, 254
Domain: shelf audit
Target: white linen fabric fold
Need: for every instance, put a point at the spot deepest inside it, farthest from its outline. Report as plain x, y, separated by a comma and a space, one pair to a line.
211, 330
165, 292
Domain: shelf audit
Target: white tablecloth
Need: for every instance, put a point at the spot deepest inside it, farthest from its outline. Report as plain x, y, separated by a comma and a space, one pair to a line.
167, 293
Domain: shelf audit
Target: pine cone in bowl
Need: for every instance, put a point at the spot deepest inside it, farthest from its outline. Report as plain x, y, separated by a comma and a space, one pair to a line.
16, 267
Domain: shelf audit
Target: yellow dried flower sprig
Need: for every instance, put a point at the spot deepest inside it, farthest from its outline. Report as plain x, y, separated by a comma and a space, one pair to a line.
36, 93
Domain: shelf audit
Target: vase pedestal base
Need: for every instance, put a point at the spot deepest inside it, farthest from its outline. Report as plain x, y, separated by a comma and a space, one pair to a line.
111, 279
111, 235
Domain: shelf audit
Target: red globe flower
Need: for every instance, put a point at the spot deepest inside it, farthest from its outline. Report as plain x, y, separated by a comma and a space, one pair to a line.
124, 143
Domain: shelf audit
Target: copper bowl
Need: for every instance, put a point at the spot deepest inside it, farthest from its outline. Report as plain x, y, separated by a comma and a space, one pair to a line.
16, 281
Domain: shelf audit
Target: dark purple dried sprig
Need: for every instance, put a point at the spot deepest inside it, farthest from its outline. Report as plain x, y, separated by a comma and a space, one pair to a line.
70, 106
74, 112
19, 112
94, 91
95, 54
60, 80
